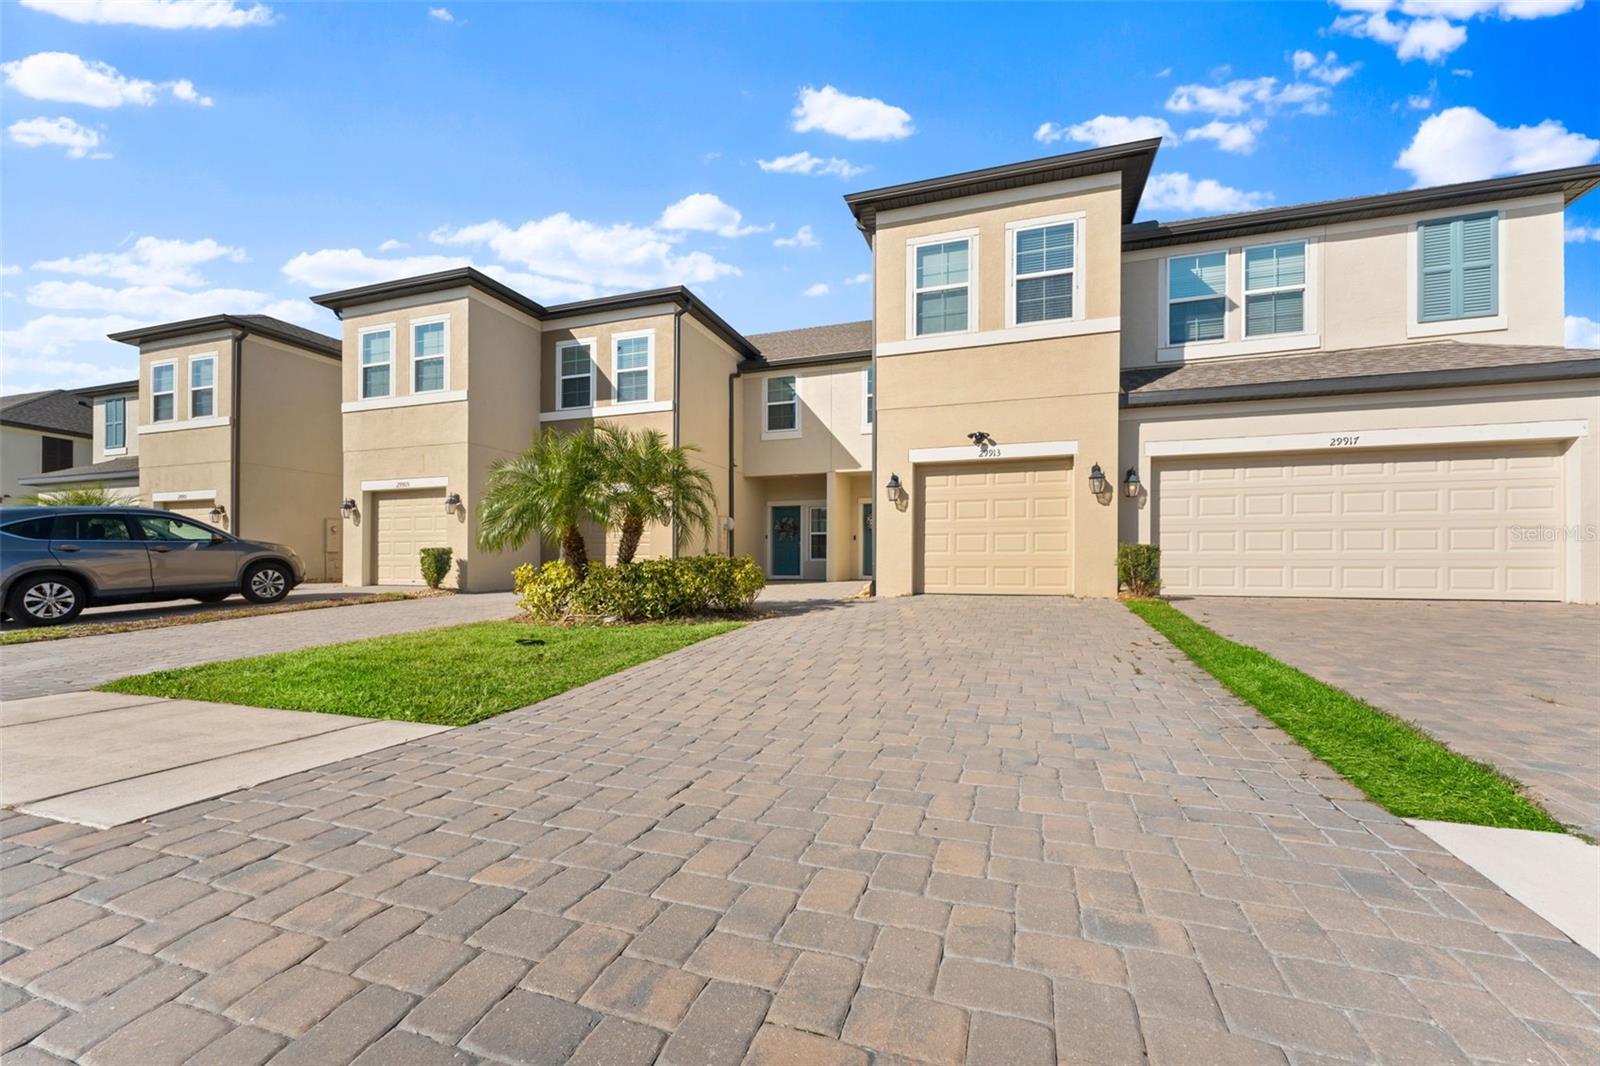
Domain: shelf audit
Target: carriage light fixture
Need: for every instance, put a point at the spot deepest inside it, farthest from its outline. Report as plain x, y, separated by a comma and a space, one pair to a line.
1130, 483
348, 507
217, 512
893, 486
451, 502
1097, 479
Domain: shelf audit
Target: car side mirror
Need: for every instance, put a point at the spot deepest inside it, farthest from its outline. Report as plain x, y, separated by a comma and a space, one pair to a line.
218, 538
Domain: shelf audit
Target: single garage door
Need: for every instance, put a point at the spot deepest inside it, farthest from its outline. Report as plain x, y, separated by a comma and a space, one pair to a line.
199, 510
407, 522
997, 527
1415, 524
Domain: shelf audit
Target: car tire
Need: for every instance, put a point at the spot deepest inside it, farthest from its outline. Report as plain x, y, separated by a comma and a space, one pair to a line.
212, 597
50, 600
267, 582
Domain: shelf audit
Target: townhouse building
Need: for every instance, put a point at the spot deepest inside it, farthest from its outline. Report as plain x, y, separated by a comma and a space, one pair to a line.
1366, 397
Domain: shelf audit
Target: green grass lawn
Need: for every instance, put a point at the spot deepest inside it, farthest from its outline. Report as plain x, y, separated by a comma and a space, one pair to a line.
1398, 766
452, 676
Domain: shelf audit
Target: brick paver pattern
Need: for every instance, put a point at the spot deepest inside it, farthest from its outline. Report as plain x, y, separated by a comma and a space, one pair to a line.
1513, 684
1005, 831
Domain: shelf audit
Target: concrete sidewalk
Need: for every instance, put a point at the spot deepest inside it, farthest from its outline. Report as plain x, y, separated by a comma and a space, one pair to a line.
103, 759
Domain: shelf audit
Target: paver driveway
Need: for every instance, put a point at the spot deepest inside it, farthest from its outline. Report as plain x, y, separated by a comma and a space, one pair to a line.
1513, 684
1006, 830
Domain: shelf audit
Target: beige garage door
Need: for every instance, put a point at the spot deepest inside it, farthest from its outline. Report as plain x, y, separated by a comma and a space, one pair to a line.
1415, 524
997, 527
200, 510
407, 522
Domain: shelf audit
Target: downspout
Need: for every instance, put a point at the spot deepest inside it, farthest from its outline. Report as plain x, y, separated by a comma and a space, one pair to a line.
731, 375
233, 422
877, 419
677, 394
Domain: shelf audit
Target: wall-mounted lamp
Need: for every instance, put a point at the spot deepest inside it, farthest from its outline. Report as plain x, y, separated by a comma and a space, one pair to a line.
451, 502
218, 513
1097, 479
1130, 483
980, 438
893, 487
348, 507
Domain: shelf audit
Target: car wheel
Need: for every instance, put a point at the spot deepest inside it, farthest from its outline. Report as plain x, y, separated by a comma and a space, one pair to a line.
266, 583
213, 597
46, 601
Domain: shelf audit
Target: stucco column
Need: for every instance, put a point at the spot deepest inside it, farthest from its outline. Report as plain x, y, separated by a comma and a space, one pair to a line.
839, 563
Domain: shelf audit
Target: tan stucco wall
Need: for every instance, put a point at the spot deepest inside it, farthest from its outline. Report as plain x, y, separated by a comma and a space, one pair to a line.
1033, 391
1356, 414
22, 454
400, 319
131, 411
704, 415
555, 332
218, 344
1365, 280
833, 435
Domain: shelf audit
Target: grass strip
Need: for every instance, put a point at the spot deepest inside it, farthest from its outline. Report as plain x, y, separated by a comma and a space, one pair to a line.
1398, 766
195, 617
451, 676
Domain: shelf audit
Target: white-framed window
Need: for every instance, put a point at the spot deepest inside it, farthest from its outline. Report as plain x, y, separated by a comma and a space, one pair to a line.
817, 534
163, 392
202, 386
1275, 289
869, 397
574, 374
633, 366
377, 361
783, 407
1197, 298
1043, 268
430, 354
943, 279
116, 415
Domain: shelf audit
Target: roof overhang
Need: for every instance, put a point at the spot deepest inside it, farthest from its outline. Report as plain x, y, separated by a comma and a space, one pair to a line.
177, 331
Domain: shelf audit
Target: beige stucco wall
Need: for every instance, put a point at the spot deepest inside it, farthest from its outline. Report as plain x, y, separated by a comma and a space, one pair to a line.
131, 411
22, 454
833, 433
1020, 391
175, 456
556, 331
704, 417
1361, 289
1344, 415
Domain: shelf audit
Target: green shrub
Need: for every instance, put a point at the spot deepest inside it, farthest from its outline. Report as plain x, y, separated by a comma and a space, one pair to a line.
1139, 568
650, 590
435, 565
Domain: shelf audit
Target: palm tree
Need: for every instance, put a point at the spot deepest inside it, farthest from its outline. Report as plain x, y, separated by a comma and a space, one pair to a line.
650, 481
546, 491
96, 495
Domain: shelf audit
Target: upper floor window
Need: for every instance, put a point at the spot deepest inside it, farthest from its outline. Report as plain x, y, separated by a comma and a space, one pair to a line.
631, 367
55, 454
203, 386
783, 405
1275, 289
1044, 261
574, 374
377, 362
870, 406
1458, 263
941, 292
163, 392
1197, 297
116, 415
428, 342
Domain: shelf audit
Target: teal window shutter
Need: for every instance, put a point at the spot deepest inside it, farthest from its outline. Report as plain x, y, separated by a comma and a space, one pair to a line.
1458, 262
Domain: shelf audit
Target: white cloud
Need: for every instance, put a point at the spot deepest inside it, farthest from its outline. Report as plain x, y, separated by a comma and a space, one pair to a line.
803, 238
440, 14
66, 78
150, 261
806, 163
1107, 129
79, 141
1242, 95
706, 212
1581, 332
9, 270
161, 303
1462, 144
345, 268
1579, 234
157, 14
1424, 101
859, 279
1182, 194
1326, 69
855, 118
821, 288
1430, 29
1164, 72
392, 245
1237, 137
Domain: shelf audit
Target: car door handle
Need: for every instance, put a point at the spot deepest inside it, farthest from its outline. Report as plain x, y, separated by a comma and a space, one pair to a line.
163, 551
66, 547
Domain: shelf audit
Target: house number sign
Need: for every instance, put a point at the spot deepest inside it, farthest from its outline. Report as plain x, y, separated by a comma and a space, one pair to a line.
1347, 441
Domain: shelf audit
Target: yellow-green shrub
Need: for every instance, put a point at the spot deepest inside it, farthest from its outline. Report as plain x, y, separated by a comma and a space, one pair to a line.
649, 590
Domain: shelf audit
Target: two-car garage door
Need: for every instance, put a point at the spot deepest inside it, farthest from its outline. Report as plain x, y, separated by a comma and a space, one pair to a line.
1439, 523
407, 522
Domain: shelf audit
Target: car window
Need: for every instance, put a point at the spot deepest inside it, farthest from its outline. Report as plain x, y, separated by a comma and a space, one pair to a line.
169, 527
90, 527
30, 529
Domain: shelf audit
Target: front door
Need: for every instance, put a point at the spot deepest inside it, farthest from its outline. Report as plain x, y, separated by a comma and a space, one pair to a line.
785, 535
866, 540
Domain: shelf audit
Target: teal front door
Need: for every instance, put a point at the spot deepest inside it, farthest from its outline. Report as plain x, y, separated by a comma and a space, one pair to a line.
866, 540
786, 541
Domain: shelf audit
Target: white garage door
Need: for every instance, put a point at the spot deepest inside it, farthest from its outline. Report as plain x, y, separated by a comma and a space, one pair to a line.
1436, 523
997, 527
407, 522
199, 510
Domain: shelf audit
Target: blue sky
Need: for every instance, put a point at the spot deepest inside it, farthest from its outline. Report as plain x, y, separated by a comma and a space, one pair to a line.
165, 160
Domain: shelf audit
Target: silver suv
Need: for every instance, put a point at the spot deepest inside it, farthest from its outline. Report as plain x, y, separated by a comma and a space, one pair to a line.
55, 561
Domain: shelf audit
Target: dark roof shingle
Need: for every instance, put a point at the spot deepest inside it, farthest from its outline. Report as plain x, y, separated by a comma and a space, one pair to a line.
842, 339
50, 411
118, 469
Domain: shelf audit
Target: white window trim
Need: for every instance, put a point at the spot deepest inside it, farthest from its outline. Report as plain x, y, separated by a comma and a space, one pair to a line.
811, 534
1076, 220
185, 423
608, 410
362, 366
649, 336
154, 392
1307, 326
421, 399
1488, 324
444, 385
1166, 301
780, 434
972, 286
869, 390
863, 502
1033, 331
577, 342
208, 357
105, 425
1233, 341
